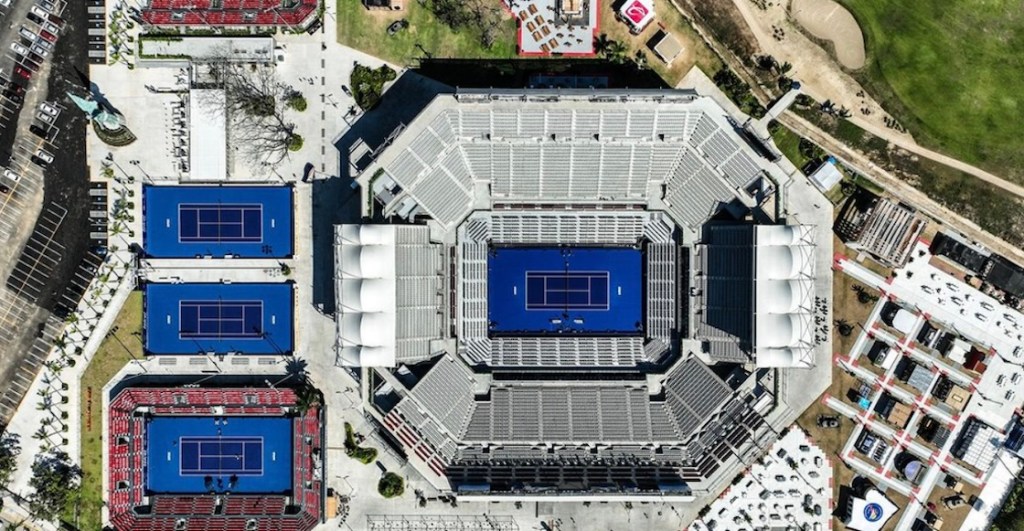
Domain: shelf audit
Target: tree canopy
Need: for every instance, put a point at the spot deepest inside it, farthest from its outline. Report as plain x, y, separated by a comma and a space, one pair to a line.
55, 480
10, 449
391, 485
254, 104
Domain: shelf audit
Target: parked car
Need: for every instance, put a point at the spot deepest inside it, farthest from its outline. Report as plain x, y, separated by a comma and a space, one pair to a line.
38, 11
18, 48
27, 33
828, 421
45, 157
952, 502
14, 96
11, 175
49, 109
39, 50
22, 72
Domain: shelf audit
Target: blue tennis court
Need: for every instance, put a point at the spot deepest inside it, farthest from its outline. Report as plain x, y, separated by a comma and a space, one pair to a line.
565, 290
222, 223
203, 454
218, 456
220, 318
191, 221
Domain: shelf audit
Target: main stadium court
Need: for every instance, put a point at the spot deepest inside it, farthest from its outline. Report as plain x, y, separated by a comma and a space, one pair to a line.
595, 294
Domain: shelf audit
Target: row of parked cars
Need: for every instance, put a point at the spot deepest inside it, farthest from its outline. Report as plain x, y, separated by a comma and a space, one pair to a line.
37, 44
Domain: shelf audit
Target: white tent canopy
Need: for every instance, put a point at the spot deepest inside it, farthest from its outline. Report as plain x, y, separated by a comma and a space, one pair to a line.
871, 512
367, 289
783, 296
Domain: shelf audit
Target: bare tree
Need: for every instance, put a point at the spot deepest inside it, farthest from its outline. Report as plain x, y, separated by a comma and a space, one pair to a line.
254, 103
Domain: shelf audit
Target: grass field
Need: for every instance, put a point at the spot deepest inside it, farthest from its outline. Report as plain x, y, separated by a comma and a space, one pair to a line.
426, 37
950, 71
111, 357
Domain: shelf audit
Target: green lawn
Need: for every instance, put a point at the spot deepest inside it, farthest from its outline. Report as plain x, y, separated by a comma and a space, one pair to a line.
788, 143
952, 71
426, 37
111, 357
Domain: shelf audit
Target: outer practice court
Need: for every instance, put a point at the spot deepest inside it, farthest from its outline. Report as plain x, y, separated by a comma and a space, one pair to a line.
565, 290
221, 318
203, 454
193, 221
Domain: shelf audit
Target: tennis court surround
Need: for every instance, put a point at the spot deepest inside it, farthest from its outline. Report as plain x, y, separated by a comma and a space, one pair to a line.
552, 290
190, 221
255, 453
221, 318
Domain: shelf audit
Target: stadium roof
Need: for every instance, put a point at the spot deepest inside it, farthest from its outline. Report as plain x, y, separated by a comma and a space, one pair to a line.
387, 286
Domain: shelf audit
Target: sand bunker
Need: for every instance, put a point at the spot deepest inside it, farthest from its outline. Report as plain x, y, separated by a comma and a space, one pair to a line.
827, 20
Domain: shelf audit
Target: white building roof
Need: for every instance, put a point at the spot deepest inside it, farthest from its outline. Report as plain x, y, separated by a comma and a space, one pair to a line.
904, 321
237, 49
826, 176
208, 144
871, 512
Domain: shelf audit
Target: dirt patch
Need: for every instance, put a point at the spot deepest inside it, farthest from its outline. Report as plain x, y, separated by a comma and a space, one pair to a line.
826, 19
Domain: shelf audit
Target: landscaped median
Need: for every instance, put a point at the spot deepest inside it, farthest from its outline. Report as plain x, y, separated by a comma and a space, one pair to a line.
363, 454
122, 345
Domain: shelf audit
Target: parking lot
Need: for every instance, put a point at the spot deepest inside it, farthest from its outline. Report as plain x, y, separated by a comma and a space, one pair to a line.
45, 205
39, 257
24, 175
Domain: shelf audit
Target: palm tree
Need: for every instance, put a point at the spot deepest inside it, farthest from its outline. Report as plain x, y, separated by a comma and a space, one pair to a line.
306, 397
612, 50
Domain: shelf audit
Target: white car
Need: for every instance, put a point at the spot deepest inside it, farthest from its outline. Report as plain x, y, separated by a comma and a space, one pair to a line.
44, 117
27, 33
42, 52
11, 175
5, 3
44, 156
39, 12
49, 109
18, 49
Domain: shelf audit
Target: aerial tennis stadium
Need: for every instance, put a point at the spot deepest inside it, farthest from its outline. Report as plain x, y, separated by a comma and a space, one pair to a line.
218, 459
589, 294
